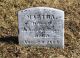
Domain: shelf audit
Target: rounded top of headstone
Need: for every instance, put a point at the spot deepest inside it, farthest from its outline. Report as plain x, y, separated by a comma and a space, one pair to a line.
48, 8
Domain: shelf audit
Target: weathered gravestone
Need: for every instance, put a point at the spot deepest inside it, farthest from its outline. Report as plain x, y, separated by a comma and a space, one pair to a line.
41, 26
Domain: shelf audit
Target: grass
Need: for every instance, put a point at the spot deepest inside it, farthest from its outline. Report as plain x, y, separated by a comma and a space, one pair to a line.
9, 27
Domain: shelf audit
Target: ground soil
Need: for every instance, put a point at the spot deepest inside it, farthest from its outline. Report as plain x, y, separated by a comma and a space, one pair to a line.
9, 47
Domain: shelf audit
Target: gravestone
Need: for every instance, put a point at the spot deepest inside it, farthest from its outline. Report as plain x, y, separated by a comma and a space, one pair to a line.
41, 26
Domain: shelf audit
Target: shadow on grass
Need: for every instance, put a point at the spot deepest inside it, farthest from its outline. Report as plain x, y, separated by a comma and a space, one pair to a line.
10, 39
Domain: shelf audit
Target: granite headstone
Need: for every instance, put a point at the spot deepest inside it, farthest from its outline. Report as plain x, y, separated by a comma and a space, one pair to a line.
41, 26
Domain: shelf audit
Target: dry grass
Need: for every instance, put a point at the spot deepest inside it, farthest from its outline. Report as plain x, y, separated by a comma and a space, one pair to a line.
9, 27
